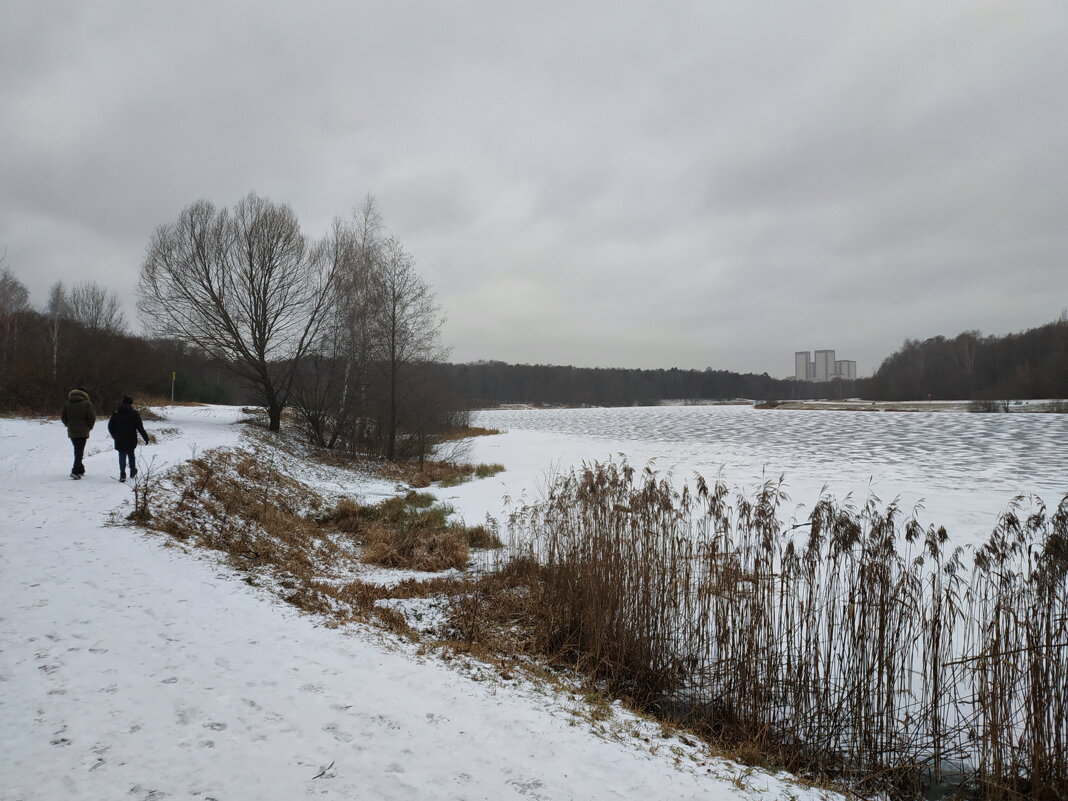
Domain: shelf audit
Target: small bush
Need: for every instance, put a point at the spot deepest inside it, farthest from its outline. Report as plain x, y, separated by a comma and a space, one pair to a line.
487, 470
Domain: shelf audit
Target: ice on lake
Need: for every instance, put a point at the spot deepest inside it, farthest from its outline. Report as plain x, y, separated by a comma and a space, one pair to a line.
964, 468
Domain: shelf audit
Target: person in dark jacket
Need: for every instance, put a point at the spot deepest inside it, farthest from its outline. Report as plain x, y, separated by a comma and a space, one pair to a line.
124, 426
79, 418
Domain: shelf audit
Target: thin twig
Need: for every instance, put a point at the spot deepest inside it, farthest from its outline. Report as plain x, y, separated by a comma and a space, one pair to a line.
323, 771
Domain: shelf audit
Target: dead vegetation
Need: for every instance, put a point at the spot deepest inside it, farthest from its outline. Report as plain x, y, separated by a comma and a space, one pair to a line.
445, 473
411, 531
465, 432
240, 503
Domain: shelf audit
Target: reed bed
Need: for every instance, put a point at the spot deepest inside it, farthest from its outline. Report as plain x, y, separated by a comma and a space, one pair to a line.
857, 645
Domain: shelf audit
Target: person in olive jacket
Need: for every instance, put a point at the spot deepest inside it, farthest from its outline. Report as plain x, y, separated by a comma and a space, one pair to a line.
79, 418
124, 426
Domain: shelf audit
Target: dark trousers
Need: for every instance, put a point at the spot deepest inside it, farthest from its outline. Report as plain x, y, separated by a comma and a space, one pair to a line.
79, 451
128, 457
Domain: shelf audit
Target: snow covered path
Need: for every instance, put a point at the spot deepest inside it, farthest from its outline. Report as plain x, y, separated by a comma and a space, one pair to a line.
129, 669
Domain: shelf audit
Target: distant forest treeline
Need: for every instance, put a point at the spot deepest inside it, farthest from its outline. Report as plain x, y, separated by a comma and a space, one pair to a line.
1032, 364
488, 383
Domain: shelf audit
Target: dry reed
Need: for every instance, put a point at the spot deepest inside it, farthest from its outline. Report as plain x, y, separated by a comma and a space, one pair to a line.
863, 648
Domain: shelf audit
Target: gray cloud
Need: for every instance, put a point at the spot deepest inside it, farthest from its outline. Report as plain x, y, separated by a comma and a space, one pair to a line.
692, 184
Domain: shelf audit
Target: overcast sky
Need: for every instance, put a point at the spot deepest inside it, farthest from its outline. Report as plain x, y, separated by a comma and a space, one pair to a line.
601, 184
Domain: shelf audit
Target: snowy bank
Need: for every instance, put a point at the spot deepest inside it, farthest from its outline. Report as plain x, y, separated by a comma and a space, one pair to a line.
134, 668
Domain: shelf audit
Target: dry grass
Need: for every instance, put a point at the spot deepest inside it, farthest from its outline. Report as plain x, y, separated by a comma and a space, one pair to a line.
410, 531
159, 400
24, 413
238, 503
448, 474
415, 475
415, 548
465, 433
488, 470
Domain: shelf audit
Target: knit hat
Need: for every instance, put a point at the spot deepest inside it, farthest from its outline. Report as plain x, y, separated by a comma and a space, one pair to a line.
127, 400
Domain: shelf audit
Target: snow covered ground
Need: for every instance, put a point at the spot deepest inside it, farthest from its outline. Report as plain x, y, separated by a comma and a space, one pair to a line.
133, 668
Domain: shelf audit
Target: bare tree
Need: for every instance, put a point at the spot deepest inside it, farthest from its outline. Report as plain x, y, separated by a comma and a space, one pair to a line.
14, 296
58, 309
246, 287
14, 300
96, 308
405, 327
332, 390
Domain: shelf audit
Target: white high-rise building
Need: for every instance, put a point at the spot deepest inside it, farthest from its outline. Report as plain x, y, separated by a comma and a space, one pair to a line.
823, 365
846, 369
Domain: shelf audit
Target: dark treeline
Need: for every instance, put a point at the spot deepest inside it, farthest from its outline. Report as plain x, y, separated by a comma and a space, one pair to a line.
80, 339
485, 383
1031, 364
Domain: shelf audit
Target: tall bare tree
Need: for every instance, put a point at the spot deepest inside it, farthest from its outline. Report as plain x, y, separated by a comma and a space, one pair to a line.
332, 391
246, 287
58, 309
405, 327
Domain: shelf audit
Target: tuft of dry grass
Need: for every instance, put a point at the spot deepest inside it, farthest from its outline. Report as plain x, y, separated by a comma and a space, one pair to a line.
481, 536
465, 432
448, 474
409, 531
415, 475
415, 548
488, 470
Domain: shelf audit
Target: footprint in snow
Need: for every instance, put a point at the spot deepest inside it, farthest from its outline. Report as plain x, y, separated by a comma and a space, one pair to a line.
338, 734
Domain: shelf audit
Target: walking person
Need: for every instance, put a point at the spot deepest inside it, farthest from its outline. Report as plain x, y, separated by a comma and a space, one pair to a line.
79, 418
124, 426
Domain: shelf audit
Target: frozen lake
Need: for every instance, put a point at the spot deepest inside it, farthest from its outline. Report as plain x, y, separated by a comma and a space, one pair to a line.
963, 467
